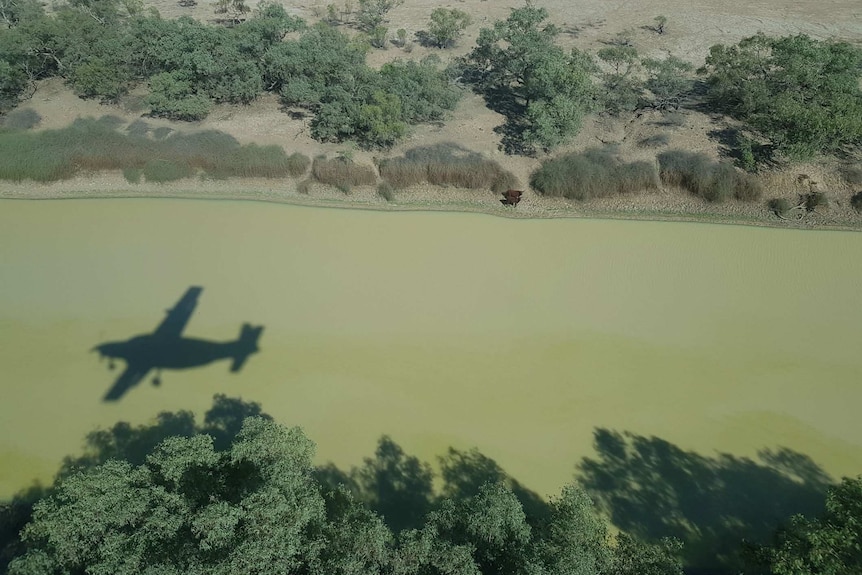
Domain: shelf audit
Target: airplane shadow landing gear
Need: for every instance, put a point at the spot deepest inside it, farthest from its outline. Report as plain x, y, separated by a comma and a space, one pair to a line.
157, 380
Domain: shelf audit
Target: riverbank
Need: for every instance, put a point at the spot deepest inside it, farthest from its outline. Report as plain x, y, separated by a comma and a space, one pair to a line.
660, 205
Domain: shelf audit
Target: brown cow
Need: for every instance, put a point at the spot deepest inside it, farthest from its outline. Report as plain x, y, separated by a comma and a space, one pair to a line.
511, 197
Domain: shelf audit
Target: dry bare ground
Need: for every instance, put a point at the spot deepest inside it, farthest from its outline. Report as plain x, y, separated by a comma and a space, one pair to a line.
692, 27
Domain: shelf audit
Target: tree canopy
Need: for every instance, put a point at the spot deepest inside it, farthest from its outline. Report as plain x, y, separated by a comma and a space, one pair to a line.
249, 500
544, 91
802, 94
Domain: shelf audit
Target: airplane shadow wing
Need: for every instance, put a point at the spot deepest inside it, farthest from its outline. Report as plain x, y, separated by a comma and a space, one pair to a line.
127, 380
178, 316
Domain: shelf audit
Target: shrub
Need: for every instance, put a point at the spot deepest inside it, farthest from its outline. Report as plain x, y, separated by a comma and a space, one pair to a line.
161, 171
386, 191
446, 26
297, 164
342, 173
856, 202
852, 175
712, 181
745, 150
446, 164
372, 13
132, 175
303, 186
779, 206
814, 200
593, 173
172, 96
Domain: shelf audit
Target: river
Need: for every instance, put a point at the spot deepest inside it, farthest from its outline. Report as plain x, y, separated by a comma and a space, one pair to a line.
519, 337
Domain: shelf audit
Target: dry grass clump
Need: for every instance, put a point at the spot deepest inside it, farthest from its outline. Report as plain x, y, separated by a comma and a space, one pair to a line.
852, 174
712, 181
297, 164
446, 165
386, 191
343, 173
93, 145
593, 173
21, 119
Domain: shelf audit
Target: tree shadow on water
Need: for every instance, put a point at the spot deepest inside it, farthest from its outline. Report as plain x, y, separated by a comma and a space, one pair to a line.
651, 488
400, 487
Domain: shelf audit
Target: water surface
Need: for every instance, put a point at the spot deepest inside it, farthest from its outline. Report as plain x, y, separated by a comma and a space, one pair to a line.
517, 337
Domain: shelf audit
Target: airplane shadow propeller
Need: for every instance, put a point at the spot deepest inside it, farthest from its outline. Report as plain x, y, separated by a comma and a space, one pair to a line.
166, 348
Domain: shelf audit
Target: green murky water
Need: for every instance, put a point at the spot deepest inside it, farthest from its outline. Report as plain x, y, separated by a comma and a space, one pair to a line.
517, 337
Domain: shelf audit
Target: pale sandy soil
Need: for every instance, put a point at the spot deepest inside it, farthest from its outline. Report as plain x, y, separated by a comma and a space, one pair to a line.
693, 26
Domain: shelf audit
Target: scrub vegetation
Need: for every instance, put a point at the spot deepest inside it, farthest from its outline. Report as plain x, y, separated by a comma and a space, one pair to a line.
446, 165
93, 145
594, 173
712, 181
239, 493
787, 99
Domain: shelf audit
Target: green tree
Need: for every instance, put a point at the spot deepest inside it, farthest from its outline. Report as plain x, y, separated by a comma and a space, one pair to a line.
426, 94
668, 80
802, 94
543, 91
621, 89
372, 13
187, 509
828, 545
447, 25
173, 96
234, 9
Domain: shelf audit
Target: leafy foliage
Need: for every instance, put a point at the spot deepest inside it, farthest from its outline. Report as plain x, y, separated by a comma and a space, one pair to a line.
426, 95
372, 13
826, 545
543, 91
668, 81
446, 26
621, 88
802, 94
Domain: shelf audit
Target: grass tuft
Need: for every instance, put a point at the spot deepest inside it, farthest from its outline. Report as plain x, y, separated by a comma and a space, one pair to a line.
712, 181
446, 165
593, 173
342, 173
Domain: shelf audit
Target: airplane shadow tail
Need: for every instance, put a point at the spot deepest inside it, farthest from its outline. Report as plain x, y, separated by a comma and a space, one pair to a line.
246, 345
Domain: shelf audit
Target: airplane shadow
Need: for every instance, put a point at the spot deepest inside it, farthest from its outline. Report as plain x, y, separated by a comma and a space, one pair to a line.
166, 348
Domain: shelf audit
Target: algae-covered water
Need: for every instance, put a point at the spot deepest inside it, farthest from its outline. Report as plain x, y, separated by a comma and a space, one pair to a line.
519, 337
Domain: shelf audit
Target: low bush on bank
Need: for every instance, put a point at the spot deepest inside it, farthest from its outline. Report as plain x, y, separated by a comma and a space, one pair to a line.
343, 173
446, 165
594, 173
94, 145
712, 181
856, 202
